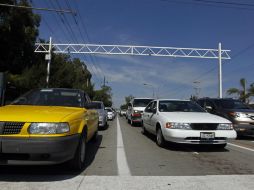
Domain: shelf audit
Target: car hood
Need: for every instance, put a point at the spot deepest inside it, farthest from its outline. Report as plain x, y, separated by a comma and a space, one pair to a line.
27, 113
192, 117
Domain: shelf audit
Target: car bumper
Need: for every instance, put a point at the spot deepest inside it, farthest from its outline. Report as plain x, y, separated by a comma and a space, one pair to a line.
194, 137
37, 151
244, 129
136, 119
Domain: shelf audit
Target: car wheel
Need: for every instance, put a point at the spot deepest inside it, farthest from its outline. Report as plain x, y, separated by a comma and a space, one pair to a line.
77, 163
95, 136
221, 146
143, 129
160, 141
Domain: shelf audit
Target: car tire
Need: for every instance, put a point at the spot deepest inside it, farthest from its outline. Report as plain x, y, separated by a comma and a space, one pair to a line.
221, 146
143, 129
160, 141
95, 136
78, 161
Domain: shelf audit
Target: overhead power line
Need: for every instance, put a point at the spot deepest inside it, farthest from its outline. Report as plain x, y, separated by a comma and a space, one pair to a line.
225, 3
210, 3
37, 8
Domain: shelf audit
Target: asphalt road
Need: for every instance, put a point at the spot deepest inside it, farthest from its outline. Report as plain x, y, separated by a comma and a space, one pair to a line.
123, 158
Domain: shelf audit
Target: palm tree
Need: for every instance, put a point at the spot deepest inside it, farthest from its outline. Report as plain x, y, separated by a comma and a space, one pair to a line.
251, 89
243, 95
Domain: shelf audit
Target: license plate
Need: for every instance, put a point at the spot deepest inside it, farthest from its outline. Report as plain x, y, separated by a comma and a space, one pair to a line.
207, 136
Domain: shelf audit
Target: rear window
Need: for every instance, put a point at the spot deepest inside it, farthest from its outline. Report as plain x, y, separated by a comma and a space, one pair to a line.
141, 102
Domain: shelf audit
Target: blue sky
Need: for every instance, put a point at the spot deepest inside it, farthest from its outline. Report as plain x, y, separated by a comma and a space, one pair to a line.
174, 23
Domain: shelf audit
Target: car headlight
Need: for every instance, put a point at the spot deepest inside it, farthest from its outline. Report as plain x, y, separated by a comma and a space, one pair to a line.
136, 111
185, 126
48, 128
225, 126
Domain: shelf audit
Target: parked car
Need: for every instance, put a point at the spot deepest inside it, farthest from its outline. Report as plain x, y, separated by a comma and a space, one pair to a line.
110, 113
135, 109
183, 121
100, 108
47, 126
240, 114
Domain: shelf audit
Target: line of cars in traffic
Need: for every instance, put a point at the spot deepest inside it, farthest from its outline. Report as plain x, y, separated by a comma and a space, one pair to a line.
207, 121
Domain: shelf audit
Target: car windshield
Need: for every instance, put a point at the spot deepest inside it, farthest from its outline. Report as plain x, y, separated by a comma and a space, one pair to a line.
179, 106
141, 102
231, 104
94, 105
51, 97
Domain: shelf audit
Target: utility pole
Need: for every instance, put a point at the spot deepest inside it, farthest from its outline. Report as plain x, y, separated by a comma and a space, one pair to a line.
220, 71
146, 84
104, 82
48, 57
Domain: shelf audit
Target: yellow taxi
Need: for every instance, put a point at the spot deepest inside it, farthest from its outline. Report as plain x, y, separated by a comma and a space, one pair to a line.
47, 126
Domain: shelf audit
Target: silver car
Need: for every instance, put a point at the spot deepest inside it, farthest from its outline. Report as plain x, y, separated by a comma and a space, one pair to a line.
100, 108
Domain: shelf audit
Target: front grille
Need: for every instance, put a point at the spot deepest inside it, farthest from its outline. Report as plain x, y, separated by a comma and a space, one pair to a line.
10, 128
204, 126
199, 139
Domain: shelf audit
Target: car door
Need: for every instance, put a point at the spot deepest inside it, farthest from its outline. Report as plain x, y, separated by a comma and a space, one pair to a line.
153, 118
146, 116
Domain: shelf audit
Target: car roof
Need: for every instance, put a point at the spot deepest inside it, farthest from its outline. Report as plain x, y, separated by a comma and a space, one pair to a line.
97, 101
173, 100
142, 99
65, 89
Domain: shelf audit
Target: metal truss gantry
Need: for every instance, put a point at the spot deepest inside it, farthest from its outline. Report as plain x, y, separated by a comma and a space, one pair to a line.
132, 50
50, 47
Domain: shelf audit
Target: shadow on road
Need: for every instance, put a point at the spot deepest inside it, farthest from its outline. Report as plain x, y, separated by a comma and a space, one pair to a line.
189, 147
248, 138
48, 173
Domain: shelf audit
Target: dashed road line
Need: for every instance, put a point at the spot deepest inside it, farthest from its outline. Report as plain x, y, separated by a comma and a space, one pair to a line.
241, 147
122, 165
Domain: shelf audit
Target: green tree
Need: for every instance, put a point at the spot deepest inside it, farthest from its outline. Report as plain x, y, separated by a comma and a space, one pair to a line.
18, 33
127, 101
241, 92
104, 95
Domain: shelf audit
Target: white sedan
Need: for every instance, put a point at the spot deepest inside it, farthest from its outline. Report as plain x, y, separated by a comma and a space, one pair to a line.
183, 121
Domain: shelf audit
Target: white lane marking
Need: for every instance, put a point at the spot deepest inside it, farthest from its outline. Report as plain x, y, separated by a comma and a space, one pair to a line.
122, 165
241, 147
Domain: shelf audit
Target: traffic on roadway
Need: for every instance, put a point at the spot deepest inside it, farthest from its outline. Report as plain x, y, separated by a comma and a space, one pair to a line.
122, 152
